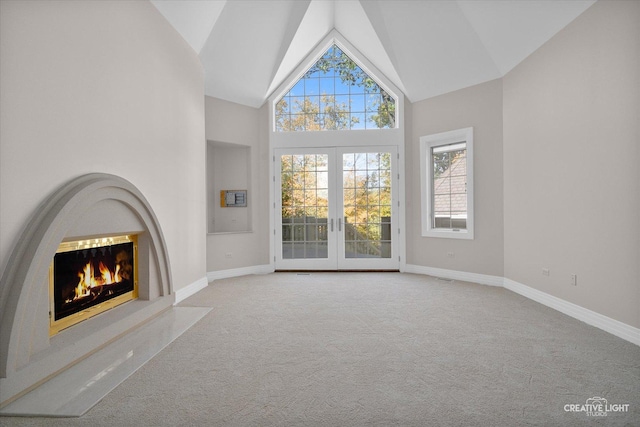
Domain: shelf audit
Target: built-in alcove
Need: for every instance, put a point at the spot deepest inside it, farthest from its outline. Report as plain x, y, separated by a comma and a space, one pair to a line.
228, 169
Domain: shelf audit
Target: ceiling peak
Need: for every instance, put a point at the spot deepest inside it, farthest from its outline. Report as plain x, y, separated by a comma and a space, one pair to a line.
425, 48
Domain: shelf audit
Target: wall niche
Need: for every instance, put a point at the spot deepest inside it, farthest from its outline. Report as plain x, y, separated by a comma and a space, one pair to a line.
228, 169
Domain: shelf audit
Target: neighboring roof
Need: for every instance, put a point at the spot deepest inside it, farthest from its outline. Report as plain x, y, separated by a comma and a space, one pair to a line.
453, 183
424, 47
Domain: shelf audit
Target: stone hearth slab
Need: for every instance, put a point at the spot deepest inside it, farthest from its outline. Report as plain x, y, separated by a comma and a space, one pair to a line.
77, 389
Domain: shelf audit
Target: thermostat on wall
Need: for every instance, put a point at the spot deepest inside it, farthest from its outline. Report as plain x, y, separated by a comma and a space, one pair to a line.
233, 198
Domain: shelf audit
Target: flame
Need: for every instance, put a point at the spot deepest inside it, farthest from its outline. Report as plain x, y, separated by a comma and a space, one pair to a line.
106, 274
88, 279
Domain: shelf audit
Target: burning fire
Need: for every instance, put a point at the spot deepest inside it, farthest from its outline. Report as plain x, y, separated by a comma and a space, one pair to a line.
89, 280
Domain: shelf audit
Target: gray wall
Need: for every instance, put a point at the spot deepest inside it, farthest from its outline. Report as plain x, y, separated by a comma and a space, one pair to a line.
102, 87
571, 162
479, 106
231, 123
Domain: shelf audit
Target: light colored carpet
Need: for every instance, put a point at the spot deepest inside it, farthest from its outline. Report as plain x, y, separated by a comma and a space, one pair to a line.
355, 349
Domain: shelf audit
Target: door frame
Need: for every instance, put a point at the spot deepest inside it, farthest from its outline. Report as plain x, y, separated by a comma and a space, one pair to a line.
329, 263
336, 259
392, 263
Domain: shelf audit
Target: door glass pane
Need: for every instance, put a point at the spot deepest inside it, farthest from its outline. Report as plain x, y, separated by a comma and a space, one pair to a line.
305, 189
366, 183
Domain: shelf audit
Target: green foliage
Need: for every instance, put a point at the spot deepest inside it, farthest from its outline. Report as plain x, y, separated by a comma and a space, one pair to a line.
442, 161
366, 194
300, 184
312, 117
307, 115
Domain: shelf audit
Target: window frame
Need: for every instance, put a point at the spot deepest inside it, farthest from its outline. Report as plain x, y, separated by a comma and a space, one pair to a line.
363, 64
427, 143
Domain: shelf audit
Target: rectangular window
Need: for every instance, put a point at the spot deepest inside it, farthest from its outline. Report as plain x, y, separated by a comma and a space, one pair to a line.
447, 184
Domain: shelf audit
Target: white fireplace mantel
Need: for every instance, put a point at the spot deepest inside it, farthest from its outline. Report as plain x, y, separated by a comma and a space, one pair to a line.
89, 206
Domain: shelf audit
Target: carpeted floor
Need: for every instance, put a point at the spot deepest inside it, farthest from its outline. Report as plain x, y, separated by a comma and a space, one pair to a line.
356, 349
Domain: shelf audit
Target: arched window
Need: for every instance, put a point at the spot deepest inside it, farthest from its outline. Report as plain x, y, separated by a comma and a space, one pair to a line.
335, 94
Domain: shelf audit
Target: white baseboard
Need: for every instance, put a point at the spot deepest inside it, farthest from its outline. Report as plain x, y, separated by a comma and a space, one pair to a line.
236, 272
187, 291
614, 327
482, 279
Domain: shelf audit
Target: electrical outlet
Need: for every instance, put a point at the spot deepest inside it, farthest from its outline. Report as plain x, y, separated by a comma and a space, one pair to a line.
228, 255
574, 280
546, 272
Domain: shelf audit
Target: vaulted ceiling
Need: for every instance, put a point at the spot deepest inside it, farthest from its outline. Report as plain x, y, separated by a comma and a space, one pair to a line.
425, 47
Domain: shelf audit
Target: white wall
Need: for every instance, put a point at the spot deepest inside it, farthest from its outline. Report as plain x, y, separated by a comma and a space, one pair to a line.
571, 162
480, 107
231, 123
102, 86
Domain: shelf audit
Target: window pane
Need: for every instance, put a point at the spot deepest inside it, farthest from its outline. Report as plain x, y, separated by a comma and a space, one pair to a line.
311, 86
449, 186
298, 89
327, 86
283, 105
335, 94
312, 104
357, 121
459, 183
327, 104
342, 103
373, 102
367, 206
304, 182
357, 103
342, 88
442, 186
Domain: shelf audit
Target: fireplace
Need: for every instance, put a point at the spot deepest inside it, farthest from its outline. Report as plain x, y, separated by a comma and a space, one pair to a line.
88, 277
56, 307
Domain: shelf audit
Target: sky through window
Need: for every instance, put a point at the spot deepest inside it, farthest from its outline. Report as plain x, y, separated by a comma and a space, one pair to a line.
335, 94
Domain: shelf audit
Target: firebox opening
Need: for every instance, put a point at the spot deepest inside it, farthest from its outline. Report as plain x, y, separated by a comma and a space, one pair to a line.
88, 277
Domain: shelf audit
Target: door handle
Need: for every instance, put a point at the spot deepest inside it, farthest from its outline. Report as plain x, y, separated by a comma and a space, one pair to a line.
332, 225
339, 224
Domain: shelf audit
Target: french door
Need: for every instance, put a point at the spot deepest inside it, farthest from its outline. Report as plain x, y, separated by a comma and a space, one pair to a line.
336, 208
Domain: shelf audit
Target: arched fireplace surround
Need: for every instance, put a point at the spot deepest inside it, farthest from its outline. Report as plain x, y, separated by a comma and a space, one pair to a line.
91, 206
